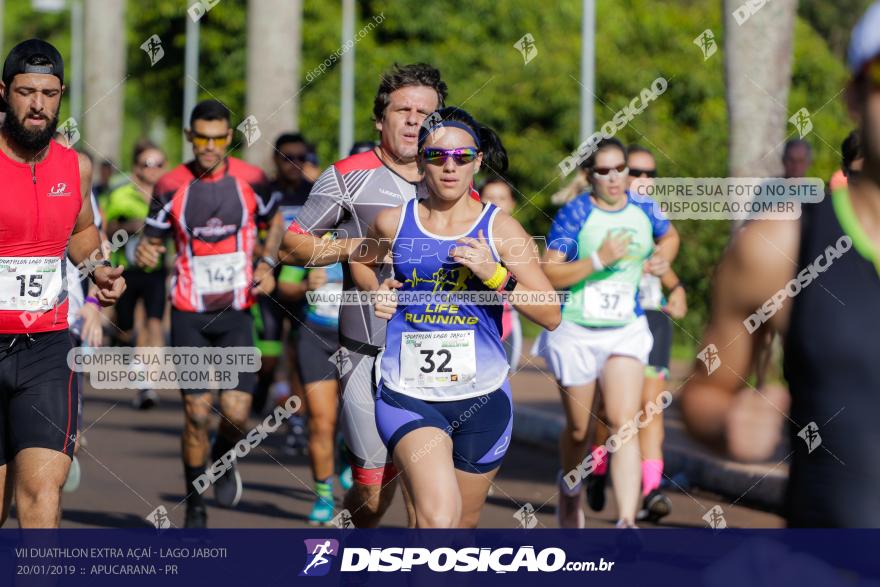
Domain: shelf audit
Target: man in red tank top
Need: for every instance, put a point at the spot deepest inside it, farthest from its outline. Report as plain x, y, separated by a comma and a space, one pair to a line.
43, 187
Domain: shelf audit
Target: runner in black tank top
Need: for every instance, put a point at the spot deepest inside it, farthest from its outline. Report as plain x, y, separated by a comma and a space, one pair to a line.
825, 307
832, 369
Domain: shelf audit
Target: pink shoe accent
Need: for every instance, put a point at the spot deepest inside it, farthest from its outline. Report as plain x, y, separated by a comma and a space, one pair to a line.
601, 467
652, 474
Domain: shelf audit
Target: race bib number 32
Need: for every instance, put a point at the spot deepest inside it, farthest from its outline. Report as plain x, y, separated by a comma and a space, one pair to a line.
609, 300
217, 274
438, 359
30, 283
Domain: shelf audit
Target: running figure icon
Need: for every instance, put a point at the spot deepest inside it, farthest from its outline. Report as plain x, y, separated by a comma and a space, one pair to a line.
319, 552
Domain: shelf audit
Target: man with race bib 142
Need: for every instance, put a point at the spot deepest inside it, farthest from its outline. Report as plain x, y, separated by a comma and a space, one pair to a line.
214, 219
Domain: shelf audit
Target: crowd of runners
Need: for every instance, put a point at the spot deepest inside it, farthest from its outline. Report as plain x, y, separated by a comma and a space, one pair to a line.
410, 386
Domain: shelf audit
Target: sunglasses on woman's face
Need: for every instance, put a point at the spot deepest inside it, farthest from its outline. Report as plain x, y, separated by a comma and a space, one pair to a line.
461, 156
634, 172
152, 163
606, 171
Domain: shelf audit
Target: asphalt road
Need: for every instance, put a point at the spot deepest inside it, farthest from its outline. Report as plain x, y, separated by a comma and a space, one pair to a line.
131, 466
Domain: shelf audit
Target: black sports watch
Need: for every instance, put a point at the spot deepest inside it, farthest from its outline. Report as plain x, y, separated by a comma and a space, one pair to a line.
510, 284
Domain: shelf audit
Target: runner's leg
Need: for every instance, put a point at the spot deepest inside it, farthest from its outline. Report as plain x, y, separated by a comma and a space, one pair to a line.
268, 318
39, 475
373, 488
6, 490
482, 430
317, 347
577, 401
651, 436
596, 479
234, 407
424, 457
42, 426
473, 488
654, 504
322, 406
194, 442
232, 329
622, 379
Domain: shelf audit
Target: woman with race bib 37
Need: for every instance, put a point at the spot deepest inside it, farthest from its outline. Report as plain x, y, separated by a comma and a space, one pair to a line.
597, 247
443, 404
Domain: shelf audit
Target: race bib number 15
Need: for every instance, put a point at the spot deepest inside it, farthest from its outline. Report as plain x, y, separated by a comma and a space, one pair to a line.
30, 283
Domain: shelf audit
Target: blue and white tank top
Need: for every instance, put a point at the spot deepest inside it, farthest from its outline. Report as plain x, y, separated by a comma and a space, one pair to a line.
436, 351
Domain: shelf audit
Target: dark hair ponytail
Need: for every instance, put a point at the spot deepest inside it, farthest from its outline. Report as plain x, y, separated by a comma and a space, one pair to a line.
494, 153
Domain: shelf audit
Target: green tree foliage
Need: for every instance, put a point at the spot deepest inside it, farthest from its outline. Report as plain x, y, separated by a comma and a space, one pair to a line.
533, 106
833, 20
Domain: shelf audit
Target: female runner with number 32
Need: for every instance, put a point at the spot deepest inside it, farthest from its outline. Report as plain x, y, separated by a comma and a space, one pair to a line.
443, 404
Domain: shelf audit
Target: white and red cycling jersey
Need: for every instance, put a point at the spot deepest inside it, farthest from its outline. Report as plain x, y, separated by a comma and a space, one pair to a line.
214, 220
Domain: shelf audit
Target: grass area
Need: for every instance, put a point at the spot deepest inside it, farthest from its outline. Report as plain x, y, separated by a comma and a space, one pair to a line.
530, 330
682, 350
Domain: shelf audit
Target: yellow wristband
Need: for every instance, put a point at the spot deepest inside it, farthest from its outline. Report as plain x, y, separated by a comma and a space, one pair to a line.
497, 278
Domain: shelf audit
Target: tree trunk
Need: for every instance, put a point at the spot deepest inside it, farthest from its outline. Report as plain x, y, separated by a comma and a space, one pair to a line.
757, 58
273, 70
105, 51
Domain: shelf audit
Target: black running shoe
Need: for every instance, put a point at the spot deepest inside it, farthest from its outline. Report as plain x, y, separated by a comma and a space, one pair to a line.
654, 507
227, 489
596, 492
297, 441
146, 399
196, 517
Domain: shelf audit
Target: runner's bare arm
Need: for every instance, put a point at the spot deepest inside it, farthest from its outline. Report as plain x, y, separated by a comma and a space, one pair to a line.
374, 249
668, 244
85, 243
676, 299
264, 273
274, 236
669, 279
758, 263
157, 226
149, 249
85, 239
563, 273
520, 255
307, 250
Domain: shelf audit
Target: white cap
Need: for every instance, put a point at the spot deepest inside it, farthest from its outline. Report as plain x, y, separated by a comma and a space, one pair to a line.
864, 45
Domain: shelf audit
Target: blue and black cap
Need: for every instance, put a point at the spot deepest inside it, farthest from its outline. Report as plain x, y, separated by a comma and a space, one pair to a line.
33, 56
